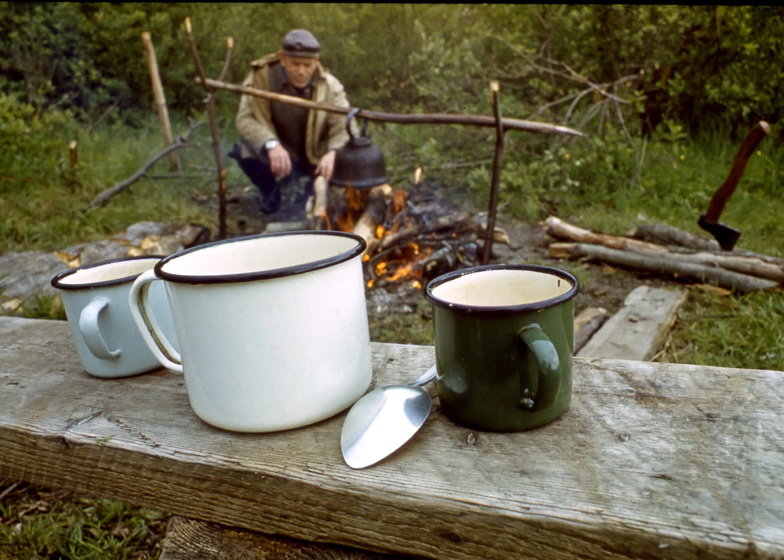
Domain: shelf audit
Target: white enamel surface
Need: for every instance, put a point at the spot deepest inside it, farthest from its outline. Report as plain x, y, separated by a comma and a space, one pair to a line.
277, 353
116, 327
108, 271
261, 254
502, 287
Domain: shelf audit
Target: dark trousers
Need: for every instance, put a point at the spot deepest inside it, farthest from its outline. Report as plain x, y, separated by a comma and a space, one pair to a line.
259, 172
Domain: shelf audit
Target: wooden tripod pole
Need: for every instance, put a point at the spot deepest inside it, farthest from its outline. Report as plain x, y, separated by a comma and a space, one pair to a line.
160, 98
213, 120
487, 249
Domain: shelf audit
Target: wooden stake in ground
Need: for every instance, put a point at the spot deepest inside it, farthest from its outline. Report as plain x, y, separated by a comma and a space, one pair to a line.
160, 98
497, 159
213, 120
73, 154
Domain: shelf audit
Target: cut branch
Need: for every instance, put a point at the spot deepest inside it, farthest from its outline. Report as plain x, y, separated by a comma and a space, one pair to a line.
428, 118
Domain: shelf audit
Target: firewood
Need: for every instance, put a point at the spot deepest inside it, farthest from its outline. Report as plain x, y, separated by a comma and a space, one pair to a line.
663, 264
665, 234
754, 265
564, 230
373, 215
450, 221
317, 209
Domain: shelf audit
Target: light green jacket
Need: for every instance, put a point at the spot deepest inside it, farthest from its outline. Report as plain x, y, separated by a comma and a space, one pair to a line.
325, 131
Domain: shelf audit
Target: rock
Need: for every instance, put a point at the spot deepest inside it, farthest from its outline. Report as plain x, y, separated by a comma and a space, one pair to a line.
27, 275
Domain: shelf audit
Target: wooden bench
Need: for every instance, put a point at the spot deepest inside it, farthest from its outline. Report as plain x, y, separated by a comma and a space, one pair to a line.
652, 461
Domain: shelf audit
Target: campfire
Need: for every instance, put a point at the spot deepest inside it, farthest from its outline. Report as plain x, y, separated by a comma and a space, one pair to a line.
413, 235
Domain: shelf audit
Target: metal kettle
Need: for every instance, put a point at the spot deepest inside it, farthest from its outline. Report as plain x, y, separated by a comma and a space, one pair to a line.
359, 163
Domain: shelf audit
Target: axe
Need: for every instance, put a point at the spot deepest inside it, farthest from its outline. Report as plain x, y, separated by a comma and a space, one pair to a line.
709, 221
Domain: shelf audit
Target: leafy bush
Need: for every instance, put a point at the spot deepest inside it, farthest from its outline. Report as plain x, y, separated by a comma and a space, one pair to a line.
685, 64
32, 144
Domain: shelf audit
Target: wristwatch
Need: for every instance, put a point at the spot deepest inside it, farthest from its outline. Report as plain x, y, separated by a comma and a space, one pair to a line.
269, 144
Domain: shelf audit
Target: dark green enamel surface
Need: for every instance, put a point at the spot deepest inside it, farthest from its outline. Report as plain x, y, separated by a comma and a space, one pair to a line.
486, 371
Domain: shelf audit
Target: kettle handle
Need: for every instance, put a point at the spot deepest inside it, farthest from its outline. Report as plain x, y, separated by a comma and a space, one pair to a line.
351, 114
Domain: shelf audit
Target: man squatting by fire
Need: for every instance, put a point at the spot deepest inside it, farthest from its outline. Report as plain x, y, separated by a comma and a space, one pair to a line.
283, 147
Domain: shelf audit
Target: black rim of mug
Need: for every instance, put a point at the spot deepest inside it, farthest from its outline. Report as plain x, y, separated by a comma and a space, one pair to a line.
263, 274
57, 281
502, 309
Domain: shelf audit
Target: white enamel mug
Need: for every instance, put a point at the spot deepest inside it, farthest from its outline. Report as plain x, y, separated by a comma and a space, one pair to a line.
95, 298
272, 328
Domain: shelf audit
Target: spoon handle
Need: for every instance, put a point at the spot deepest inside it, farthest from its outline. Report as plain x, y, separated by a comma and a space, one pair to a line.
426, 377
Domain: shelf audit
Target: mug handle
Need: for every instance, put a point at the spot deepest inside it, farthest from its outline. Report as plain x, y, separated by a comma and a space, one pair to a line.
546, 356
91, 330
151, 332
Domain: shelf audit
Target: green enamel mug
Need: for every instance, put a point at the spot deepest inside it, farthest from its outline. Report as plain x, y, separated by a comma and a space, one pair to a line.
504, 343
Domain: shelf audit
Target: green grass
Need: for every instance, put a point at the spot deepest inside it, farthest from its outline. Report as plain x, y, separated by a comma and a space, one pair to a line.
38, 523
52, 214
732, 331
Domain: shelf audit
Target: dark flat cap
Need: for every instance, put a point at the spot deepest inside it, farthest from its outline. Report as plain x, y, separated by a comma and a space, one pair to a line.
299, 42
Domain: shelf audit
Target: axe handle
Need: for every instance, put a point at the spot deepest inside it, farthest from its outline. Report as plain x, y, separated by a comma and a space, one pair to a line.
723, 193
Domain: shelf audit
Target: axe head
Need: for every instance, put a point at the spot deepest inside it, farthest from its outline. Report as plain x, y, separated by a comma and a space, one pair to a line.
725, 235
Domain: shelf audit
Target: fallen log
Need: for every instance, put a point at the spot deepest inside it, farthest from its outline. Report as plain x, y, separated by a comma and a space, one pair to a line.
663, 264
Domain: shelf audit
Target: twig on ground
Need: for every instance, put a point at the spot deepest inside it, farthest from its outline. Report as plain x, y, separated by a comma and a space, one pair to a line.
180, 142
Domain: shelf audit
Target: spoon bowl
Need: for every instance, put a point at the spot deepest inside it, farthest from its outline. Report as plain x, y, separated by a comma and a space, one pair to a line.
383, 420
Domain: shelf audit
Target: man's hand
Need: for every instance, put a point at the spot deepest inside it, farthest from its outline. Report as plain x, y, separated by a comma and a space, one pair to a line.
326, 165
280, 161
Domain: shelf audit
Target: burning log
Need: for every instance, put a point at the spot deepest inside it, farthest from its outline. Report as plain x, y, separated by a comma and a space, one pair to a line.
316, 211
373, 215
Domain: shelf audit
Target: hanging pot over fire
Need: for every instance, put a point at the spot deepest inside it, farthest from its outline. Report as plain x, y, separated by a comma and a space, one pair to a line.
359, 163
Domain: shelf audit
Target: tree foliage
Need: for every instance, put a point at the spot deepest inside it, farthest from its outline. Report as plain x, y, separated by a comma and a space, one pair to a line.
687, 64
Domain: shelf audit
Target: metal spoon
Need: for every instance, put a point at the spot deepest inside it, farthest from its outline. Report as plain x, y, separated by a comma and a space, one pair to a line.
383, 420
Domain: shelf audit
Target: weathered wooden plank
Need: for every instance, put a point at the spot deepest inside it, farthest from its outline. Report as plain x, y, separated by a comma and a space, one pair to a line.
586, 324
637, 331
653, 460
